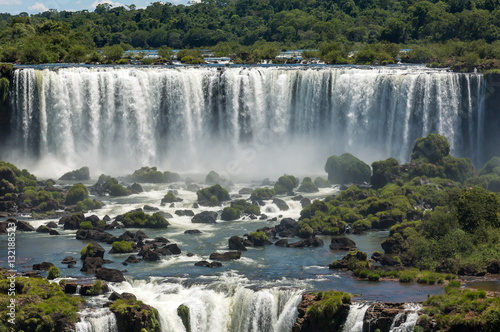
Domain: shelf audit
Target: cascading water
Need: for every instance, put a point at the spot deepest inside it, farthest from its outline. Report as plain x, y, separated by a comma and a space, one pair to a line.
96, 320
238, 119
233, 308
405, 321
354, 321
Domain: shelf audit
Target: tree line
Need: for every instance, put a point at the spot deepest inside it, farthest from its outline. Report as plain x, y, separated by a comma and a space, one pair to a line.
232, 26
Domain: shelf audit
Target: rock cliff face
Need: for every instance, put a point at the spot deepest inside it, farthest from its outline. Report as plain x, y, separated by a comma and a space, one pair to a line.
380, 316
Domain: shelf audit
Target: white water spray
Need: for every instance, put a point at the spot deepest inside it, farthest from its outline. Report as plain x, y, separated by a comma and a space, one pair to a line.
354, 321
97, 320
405, 321
238, 120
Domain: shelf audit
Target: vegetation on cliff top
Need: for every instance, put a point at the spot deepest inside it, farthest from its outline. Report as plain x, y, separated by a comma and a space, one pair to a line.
461, 34
39, 305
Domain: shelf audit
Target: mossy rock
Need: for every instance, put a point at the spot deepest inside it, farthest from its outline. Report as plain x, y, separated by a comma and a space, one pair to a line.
183, 313
133, 315
286, 184
81, 174
432, 148
212, 195
347, 169
148, 175
307, 186
140, 219
40, 305
230, 213
262, 194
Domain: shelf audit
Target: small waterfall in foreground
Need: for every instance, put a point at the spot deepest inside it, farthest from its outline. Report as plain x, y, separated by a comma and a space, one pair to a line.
216, 308
239, 120
355, 318
96, 320
405, 321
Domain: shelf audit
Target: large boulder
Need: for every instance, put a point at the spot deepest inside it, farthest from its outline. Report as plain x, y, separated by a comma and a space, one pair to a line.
21, 225
109, 275
205, 217
208, 264
81, 174
91, 264
45, 266
236, 243
281, 204
347, 169
226, 256
342, 243
93, 249
95, 235
72, 221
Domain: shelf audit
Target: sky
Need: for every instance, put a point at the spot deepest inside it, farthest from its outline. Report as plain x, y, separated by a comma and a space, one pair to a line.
37, 6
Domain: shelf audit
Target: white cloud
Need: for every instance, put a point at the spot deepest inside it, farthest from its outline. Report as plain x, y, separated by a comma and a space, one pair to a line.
38, 7
10, 2
100, 2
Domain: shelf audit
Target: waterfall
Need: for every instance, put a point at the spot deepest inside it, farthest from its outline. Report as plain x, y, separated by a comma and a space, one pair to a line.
232, 308
355, 318
96, 320
238, 119
405, 321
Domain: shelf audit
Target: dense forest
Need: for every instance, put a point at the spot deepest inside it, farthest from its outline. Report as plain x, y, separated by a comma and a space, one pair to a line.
466, 31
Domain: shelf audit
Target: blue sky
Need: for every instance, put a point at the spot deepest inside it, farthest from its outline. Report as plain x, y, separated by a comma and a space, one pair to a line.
37, 6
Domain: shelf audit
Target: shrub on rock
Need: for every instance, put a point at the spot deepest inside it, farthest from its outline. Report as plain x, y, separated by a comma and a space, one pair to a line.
77, 192
432, 148
307, 186
262, 194
140, 219
212, 195
322, 183
148, 175
53, 273
171, 177
81, 174
347, 169
230, 213
384, 172
286, 184
122, 247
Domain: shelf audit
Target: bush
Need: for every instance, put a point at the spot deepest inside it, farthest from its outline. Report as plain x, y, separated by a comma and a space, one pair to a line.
432, 148
86, 225
171, 177
384, 172
53, 273
307, 186
81, 174
77, 192
95, 289
148, 175
205, 195
170, 198
477, 207
347, 169
490, 166
140, 219
113, 53
262, 194
258, 236
230, 213
40, 305
322, 183
286, 184
122, 247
